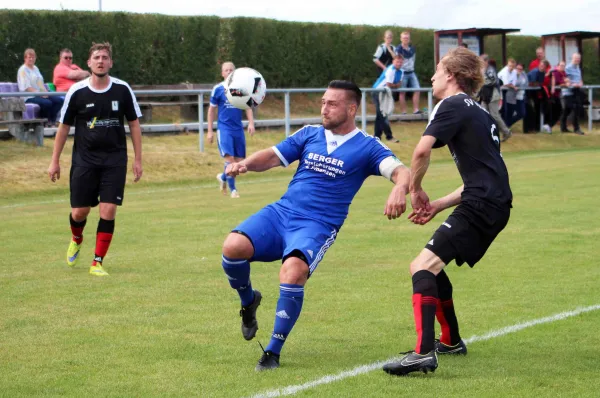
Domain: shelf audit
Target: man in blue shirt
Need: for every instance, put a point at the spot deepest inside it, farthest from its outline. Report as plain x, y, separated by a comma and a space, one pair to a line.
230, 134
334, 160
535, 98
410, 77
572, 96
390, 77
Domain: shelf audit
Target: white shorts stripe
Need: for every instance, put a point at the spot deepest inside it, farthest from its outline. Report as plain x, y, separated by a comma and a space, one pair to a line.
322, 251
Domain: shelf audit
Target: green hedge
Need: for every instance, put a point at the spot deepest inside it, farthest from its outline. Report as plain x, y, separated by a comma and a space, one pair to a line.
159, 49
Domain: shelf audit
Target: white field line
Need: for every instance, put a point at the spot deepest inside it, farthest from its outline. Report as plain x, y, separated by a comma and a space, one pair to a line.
293, 389
256, 181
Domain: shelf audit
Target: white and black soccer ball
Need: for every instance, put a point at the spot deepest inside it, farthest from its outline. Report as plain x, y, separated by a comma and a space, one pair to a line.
245, 88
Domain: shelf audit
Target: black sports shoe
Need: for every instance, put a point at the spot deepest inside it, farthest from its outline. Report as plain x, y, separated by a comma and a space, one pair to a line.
579, 132
459, 348
248, 314
268, 361
413, 362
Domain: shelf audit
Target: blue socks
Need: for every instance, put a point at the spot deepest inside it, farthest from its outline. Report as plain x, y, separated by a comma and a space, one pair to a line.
230, 180
238, 273
288, 310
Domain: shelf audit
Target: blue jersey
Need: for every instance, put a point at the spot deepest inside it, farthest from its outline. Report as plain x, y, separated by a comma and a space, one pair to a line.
332, 169
230, 118
389, 75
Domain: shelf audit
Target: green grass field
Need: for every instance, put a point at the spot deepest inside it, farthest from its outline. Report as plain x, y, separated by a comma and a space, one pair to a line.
165, 323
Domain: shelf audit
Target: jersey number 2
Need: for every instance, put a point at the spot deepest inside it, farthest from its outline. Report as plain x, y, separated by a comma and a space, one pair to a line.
495, 137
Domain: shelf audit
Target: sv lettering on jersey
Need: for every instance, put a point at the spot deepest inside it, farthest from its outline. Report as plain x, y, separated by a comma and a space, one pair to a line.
324, 159
470, 102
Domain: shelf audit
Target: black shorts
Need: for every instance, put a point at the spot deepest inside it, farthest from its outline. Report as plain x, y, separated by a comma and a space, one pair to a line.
89, 186
468, 232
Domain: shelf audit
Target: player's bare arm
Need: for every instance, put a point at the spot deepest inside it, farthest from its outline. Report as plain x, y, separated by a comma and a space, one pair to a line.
396, 203
259, 161
136, 138
59, 143
250, 117
437, 206
211, 119
419, 165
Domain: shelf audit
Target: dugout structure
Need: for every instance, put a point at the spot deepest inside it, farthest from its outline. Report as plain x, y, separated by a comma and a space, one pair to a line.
472, 38
561, 46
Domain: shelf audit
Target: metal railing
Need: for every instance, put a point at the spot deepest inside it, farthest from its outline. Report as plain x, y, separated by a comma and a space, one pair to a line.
287, 101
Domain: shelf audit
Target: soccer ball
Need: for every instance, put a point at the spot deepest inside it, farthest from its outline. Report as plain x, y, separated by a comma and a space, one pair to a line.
245, 88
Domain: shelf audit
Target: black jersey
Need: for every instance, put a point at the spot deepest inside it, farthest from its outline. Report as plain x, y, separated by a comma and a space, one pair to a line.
98, 117
472, 137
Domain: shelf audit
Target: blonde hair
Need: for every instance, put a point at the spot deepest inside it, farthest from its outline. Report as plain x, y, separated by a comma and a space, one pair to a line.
101, 46
466, 67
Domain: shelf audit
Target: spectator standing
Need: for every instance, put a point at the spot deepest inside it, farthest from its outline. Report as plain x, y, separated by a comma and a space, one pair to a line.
490, 95
384, 54
540, 55
410, 79
66, 73
508, 76
572, 95
553, 83
522, 84
391, 77
536, 99
31, 80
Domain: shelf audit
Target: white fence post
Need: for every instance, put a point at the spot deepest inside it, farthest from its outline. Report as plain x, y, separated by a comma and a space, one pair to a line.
363, 111
429, 104
201, 121
590, 109
287, 114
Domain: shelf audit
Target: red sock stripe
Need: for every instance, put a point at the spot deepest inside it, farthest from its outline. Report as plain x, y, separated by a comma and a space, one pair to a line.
416, 302
77, 234
103, 240
439, 314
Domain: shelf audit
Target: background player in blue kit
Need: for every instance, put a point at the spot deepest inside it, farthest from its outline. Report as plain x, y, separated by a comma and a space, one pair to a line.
334, 160
230, 133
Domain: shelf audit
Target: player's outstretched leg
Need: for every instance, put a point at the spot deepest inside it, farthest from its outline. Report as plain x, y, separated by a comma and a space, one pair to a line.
104, 236
237, 249
222, 178
450, 341
232, 189
425, 297
293, 275
76, 241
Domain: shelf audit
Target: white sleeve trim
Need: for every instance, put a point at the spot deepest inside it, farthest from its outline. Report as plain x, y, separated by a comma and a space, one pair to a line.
388, 165
280, 156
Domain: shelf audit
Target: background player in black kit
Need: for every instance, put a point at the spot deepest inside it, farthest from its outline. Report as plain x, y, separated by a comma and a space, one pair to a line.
484, 203
97, 107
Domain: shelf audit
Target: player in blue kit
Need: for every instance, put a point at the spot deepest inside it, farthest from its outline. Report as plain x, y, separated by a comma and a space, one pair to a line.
230, 133
334, 160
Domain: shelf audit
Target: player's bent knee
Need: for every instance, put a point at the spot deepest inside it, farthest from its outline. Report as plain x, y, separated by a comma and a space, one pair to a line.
294, 271
237, 246
80, 213
428, 261
108, 211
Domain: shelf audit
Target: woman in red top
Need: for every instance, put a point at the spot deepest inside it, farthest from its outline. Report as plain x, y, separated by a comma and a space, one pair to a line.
553, 82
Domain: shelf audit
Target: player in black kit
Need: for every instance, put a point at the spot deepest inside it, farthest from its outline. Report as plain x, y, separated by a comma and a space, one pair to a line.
484, 203
97, 107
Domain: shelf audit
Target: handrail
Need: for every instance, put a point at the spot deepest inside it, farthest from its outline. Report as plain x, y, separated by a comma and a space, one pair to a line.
287, 91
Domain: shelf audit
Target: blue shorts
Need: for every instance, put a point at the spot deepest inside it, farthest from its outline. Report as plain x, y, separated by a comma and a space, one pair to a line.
232, 144
275, 232
409, 80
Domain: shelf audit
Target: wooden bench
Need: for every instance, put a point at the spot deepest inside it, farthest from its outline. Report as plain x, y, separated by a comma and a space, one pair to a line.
28, 130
